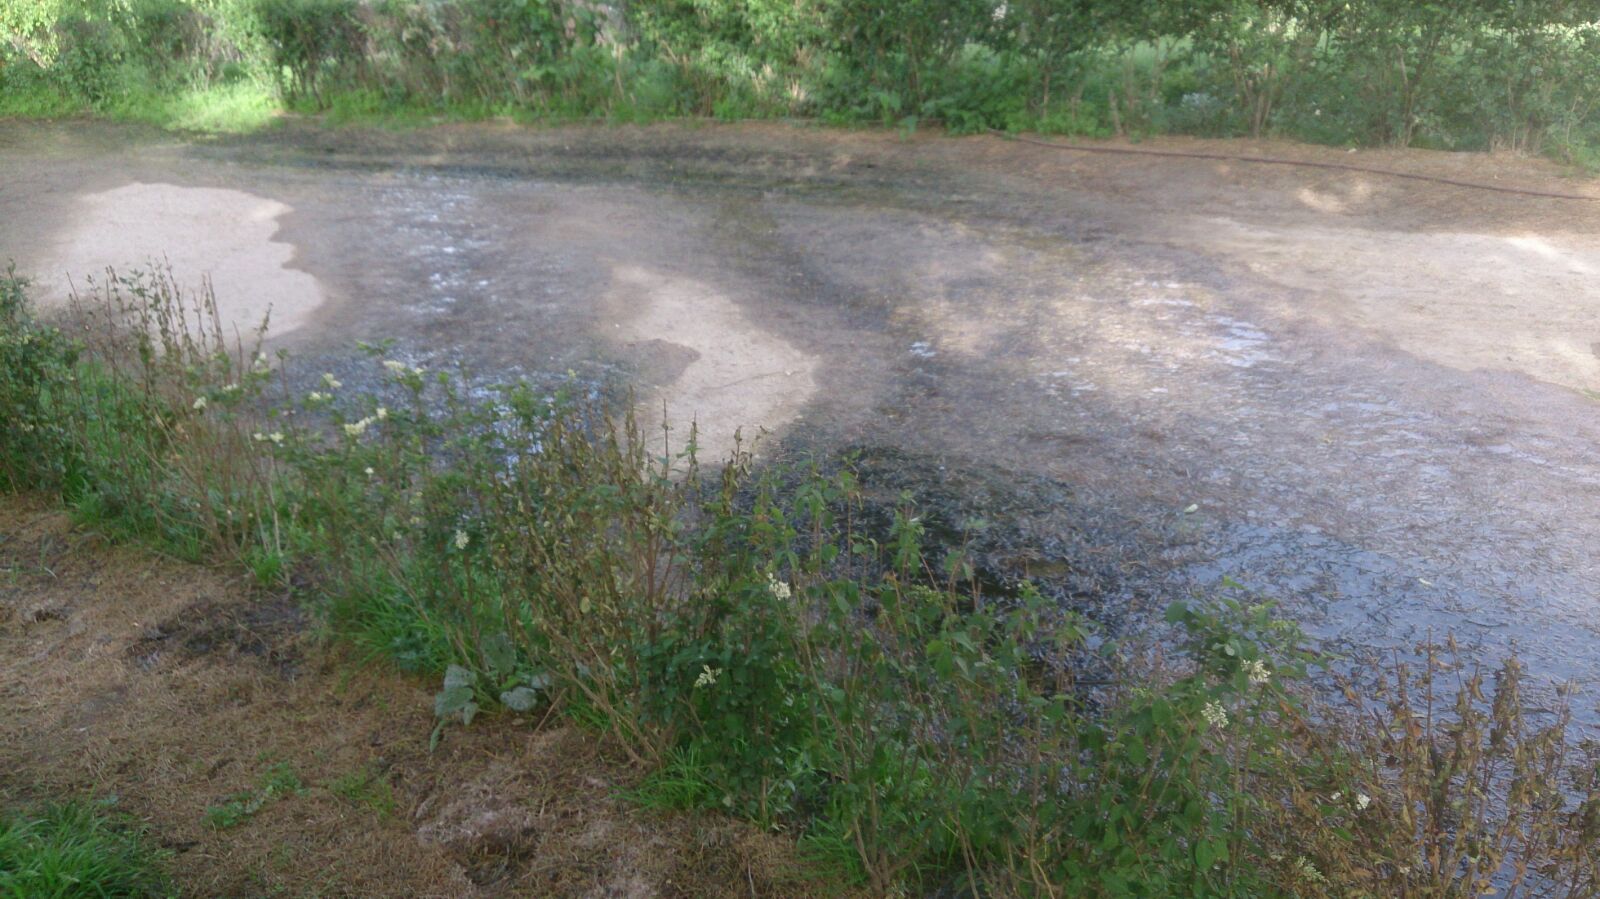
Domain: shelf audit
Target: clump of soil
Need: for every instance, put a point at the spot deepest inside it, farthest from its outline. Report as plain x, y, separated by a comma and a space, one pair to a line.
179, 689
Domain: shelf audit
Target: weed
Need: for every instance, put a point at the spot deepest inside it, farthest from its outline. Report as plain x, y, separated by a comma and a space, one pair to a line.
276, 782
365, 787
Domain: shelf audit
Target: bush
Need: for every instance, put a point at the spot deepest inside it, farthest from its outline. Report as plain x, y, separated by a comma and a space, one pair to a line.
35, 362
1519, 76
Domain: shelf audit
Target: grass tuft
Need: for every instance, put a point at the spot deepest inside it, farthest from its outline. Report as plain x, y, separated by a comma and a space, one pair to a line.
76, 849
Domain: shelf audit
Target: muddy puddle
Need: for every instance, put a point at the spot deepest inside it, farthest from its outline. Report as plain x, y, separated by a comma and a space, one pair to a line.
1127, 379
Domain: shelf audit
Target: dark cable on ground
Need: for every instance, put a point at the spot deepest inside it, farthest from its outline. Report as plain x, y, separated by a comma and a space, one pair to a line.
1276, 160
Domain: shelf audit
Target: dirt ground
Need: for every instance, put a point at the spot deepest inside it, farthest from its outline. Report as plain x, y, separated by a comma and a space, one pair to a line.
1368, 397
174, 688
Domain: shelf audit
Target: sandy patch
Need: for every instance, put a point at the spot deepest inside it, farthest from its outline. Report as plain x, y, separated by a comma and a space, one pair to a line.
738, 378
1519, 302
223, 235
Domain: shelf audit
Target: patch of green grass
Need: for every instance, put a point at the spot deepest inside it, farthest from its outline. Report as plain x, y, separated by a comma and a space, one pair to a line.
216, 109
37, 101
223, 109
77, 849
276, 782
365, 787
682, 782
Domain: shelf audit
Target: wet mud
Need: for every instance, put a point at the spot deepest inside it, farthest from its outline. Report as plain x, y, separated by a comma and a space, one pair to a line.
1127, 378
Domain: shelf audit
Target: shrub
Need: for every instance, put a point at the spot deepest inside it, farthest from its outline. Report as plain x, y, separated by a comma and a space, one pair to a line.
35, 362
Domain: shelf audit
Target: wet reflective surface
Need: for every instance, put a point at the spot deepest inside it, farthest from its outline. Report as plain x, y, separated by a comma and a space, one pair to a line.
1128, 380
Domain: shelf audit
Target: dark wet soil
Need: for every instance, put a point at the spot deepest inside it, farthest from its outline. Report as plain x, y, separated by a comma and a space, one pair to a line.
1127, 378
262, 629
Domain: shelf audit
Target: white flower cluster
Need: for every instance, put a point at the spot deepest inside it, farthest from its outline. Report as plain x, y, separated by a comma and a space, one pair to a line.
400, 369
779, 588
332, 382
708, 676
1362, 800
461, 539
199, 404
1215, 715
355, 428
1308, 870
1258, 673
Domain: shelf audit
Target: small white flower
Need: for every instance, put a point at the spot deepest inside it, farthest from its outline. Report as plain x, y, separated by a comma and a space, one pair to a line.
1308, 870
394, 366
1362, 801
461, 539
259, 437
332, 382
199, 404
276, 437
354, 428
370, 472
779, 588
1215, 714
383, 414
1258, 673
260, 366
317, 397
230, 388
708, 676
1336, 797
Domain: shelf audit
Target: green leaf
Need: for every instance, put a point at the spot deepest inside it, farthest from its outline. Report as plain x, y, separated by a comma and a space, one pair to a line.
451, 700
1209, 852
499, 655
521, 699
456, 676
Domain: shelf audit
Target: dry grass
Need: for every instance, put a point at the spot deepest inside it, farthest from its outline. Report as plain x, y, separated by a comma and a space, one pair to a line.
174, 687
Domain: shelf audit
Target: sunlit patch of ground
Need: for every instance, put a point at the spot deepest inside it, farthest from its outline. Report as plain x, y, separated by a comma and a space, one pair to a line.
226, 236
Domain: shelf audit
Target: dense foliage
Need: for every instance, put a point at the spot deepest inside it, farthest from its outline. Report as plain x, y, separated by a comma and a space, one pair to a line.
761, 653
1514, 74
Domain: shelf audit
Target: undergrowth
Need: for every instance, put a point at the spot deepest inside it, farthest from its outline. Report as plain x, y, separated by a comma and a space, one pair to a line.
1516, 76
757, 651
